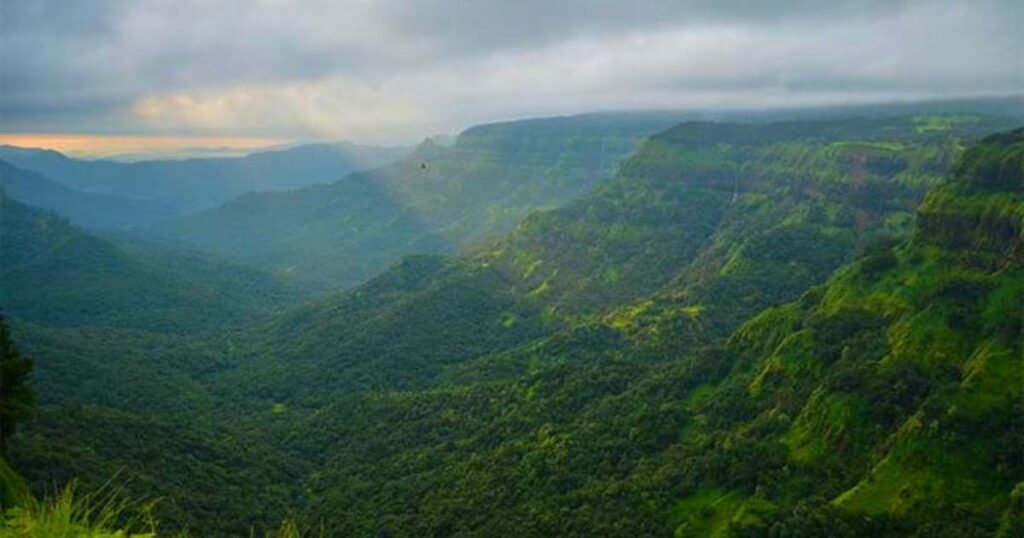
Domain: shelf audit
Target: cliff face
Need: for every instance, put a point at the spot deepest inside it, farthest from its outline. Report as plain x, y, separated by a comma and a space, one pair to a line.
980, 215
731, 217
903, 375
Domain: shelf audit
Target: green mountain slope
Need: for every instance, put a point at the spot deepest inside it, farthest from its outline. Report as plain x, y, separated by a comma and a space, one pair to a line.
740, 216
903, 375
885, 402
400, 331
88, 210
114, 331
714, 256
53, 273
331, 235
720, 384
436, 200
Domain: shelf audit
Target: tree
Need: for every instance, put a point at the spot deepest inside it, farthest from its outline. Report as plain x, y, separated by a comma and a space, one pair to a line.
16, 395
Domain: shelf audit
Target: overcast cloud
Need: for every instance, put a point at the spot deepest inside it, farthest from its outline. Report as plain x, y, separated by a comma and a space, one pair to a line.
393, 71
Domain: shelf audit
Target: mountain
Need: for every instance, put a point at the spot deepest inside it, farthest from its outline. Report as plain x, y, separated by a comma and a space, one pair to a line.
115, 331
885, 401
330, 235
53, 273
735, 213
192, 184
87, 210
748, 331
436, 200
879, 401
676, 232
400, 331
895, 388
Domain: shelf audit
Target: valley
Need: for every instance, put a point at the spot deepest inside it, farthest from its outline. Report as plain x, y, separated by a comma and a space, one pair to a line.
606, 325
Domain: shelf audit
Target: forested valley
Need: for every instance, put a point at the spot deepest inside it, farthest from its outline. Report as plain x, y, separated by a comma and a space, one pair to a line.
649, 324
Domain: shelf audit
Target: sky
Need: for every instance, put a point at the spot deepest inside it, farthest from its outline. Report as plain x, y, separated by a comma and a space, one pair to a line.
394, 71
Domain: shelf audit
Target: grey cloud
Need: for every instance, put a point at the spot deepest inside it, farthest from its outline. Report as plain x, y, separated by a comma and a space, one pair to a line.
78, 64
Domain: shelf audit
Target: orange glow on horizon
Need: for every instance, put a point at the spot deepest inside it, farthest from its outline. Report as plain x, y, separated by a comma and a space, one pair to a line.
87, 145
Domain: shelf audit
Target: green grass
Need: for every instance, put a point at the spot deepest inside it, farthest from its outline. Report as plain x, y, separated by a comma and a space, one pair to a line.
825, 418
106, 514
705, 514
922, 473
993, 376
12, 488
71, 515
937, 123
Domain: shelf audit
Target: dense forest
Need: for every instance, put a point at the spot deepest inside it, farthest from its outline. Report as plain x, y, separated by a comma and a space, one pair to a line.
612, 325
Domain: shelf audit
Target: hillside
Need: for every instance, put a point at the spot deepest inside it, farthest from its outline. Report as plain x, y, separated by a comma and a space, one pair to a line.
728, 387
885, 402
437, 200
83, 209
740, 216
114, 330
55, 274
663, 238
192, 184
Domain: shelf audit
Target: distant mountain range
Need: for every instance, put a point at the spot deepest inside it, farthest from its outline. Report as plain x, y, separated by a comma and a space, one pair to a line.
192, 184
86, 209
54, 273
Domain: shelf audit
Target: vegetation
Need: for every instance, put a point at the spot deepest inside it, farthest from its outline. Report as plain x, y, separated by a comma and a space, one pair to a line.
12, 487
178, 186
436, 200
805, 328
16, 395
88, 210
69, 514
74, 516
54, 274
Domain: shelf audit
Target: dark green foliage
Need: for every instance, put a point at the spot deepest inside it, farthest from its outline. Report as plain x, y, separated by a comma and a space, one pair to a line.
729, 218
53, 273
720, 341
13, 489
214, 480
16, 395
997, 165
398, 332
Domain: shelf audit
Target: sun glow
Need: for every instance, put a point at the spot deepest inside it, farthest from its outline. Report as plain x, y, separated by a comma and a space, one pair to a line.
89, 145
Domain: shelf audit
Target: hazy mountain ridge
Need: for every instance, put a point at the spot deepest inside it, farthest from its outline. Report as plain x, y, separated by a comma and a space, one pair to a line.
436, 200
88, 210
54, 273
192, 184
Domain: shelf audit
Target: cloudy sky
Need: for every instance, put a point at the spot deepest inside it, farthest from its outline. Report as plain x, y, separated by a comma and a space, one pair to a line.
392, 71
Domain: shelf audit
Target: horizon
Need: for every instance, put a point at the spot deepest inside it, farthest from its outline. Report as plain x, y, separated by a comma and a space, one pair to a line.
144, 147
